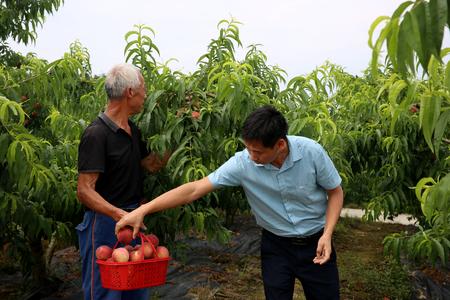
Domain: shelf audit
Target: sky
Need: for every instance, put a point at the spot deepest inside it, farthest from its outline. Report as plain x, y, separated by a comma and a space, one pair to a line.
296, 35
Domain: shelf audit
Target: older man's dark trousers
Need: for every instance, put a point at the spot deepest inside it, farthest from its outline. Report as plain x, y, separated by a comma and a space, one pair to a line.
284, 259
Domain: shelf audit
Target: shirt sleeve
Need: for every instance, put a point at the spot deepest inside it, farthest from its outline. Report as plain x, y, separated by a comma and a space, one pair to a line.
228, 174
327, 174
92, 151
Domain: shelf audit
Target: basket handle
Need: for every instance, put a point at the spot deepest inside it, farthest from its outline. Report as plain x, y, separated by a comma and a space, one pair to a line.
143, 237
115, 245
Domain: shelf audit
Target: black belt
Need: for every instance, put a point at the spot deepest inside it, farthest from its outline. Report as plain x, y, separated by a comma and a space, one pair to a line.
298, 240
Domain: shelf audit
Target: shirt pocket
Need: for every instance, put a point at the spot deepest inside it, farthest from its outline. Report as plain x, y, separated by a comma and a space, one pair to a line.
303, 193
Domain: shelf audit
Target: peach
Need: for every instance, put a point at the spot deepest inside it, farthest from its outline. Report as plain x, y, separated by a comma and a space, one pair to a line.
153, 239
162, 252
136, 255
103, 252
120, 255
125, 235
147, 250
195, 115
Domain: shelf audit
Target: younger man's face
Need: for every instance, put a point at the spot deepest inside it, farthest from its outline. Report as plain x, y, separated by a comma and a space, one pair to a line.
261, 154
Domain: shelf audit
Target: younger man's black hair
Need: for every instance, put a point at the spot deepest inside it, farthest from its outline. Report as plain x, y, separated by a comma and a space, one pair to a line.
265, 124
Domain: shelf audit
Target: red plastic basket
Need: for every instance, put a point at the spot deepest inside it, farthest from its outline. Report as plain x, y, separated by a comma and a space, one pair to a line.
133, 274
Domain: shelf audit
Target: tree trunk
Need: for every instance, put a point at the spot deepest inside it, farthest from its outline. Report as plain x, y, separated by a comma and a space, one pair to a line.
39, 271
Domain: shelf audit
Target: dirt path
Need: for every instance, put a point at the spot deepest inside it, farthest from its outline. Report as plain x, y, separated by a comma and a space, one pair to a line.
358, 213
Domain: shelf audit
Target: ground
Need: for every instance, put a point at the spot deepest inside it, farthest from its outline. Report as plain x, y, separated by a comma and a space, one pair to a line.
207, 270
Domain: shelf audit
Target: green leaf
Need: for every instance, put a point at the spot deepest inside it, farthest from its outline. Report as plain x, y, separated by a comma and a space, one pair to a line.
395, 90
421, 185
393, 39
446, 242
392, 42
372, 28
129, 33
430, 107
438, 13
447, 76
12, 152
399, 11
440, 250
181, 164
7, 105
129, 45
427, 35
418, 36
199, 219
377, 48
396, 248
441, 126
405, 54
440, 193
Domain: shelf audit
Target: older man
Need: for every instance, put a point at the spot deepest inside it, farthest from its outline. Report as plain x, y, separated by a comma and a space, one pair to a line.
111, 159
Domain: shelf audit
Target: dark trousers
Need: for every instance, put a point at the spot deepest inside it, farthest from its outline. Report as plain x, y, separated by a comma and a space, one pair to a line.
284, 259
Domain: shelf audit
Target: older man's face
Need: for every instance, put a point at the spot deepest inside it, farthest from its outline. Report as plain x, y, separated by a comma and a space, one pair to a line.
136, 102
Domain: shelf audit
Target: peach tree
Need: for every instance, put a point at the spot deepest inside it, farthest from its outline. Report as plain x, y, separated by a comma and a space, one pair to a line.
43, 109
414, 38
198, 117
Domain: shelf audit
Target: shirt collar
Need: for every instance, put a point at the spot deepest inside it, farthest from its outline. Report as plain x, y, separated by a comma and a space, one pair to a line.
294, 150
113, 126
293, 156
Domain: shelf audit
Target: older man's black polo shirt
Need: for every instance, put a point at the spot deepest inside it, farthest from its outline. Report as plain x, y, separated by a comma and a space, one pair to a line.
109, 150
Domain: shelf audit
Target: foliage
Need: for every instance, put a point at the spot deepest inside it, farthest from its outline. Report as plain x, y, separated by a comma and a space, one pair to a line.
369, 132
222, 92
19, 20
385, 131
418, 32
414, 38
414, 35
367, 126
41, 120
431, 243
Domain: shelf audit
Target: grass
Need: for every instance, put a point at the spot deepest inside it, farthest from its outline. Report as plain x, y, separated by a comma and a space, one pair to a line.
365, 273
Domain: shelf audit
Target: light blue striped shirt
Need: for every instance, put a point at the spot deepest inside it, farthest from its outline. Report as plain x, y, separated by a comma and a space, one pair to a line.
290, 201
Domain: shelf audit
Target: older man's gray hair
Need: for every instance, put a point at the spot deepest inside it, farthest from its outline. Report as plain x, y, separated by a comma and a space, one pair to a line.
119, 78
